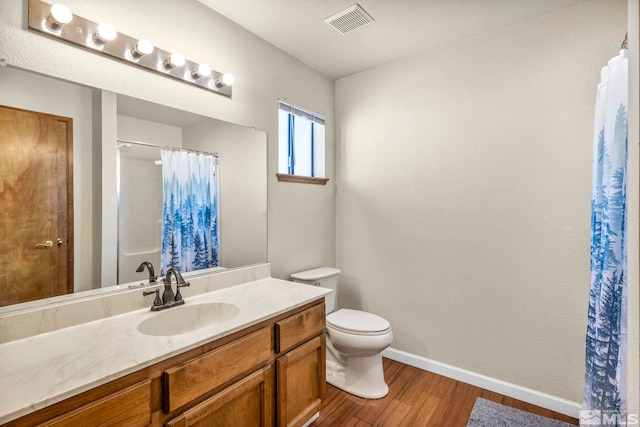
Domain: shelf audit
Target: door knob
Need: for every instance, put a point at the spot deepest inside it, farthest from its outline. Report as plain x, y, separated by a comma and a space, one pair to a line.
48, 244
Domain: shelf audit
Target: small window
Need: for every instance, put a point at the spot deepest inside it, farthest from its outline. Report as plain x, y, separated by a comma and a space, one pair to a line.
300, 145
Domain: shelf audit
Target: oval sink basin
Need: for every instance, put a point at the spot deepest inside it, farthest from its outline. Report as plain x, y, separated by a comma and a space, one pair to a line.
188, 318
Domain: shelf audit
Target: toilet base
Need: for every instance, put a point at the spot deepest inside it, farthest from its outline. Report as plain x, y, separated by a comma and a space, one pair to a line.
360, 376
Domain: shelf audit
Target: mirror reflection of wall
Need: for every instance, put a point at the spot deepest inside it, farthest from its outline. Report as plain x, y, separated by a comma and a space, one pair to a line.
243, 196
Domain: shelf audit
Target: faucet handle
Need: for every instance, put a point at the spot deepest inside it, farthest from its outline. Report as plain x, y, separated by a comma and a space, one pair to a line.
178, 286
157, 302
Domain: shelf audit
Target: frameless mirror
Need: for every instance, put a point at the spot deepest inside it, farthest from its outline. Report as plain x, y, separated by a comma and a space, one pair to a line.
115, 206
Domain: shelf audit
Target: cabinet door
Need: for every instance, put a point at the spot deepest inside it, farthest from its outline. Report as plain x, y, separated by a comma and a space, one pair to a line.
249, 402
301, 383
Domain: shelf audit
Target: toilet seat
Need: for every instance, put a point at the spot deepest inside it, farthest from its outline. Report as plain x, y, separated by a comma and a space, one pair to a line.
357, 322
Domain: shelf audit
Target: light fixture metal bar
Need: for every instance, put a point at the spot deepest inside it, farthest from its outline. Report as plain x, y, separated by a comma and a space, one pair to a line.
80, 32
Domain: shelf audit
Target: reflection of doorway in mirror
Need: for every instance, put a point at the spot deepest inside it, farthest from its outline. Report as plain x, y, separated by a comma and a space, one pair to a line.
36, 169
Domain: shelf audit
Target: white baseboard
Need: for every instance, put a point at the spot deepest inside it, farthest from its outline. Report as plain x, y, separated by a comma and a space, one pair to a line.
528, 395
315, 417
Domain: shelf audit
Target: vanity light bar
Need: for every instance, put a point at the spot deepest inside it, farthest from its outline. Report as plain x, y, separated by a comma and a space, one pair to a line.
57, 21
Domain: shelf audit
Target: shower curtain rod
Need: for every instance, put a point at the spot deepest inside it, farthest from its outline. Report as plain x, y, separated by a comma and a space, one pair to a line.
147, 144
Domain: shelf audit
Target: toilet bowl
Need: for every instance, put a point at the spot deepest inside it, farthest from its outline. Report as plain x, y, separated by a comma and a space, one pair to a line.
354, 340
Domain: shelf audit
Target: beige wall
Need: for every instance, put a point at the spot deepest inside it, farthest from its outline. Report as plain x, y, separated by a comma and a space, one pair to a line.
301, 217
463, 204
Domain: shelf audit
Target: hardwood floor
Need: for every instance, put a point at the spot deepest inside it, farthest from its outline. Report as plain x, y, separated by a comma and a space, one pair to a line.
416, 398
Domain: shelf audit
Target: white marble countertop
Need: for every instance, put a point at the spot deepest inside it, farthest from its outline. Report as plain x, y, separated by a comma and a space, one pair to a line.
44, 369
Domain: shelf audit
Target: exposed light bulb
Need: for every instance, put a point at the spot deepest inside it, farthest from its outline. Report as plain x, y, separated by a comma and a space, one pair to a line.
59, 16
225, 80
143, 47
176, 59
202, 70
105, 33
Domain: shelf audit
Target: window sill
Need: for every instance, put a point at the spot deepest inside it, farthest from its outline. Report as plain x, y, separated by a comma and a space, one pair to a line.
283, 177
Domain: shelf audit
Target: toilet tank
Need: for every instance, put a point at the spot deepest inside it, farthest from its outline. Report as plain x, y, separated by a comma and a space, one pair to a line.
325, 277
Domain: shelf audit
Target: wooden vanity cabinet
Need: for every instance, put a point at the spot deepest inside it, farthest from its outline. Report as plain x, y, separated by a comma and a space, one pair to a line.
249, 402
128, 407
272, 373
300, 367
301, 385
299, 345
197, 377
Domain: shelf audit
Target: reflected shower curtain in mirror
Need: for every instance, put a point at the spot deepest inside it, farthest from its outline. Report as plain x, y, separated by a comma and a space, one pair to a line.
190, 210
605, 378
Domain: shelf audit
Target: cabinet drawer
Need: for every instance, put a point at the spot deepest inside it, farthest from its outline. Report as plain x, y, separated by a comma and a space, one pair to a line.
299, 328
203, 374
249, 402
130, 407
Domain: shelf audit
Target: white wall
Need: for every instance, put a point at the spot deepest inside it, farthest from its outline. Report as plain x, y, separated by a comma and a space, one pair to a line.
134, 129
301, 217
463, 210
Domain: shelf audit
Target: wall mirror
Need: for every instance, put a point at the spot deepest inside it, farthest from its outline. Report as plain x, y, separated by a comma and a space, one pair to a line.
115, 185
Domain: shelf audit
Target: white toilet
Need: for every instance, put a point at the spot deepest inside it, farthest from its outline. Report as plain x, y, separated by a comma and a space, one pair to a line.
355, 340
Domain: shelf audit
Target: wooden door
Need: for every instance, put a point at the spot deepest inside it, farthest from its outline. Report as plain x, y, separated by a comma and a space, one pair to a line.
36, 205
249, 402
301, 385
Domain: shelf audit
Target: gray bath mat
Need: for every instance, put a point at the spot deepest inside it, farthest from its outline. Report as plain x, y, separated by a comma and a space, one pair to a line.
490, 414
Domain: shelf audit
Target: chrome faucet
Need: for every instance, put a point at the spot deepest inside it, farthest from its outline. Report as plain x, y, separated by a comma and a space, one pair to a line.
169, 299
152, 275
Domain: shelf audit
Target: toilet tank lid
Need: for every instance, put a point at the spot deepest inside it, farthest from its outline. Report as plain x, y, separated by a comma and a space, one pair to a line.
316, 273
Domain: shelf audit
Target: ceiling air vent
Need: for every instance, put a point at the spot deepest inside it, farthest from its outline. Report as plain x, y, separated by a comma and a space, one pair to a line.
349, 19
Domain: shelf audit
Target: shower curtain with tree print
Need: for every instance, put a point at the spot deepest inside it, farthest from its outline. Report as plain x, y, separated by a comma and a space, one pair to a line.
605, 378
190, 211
